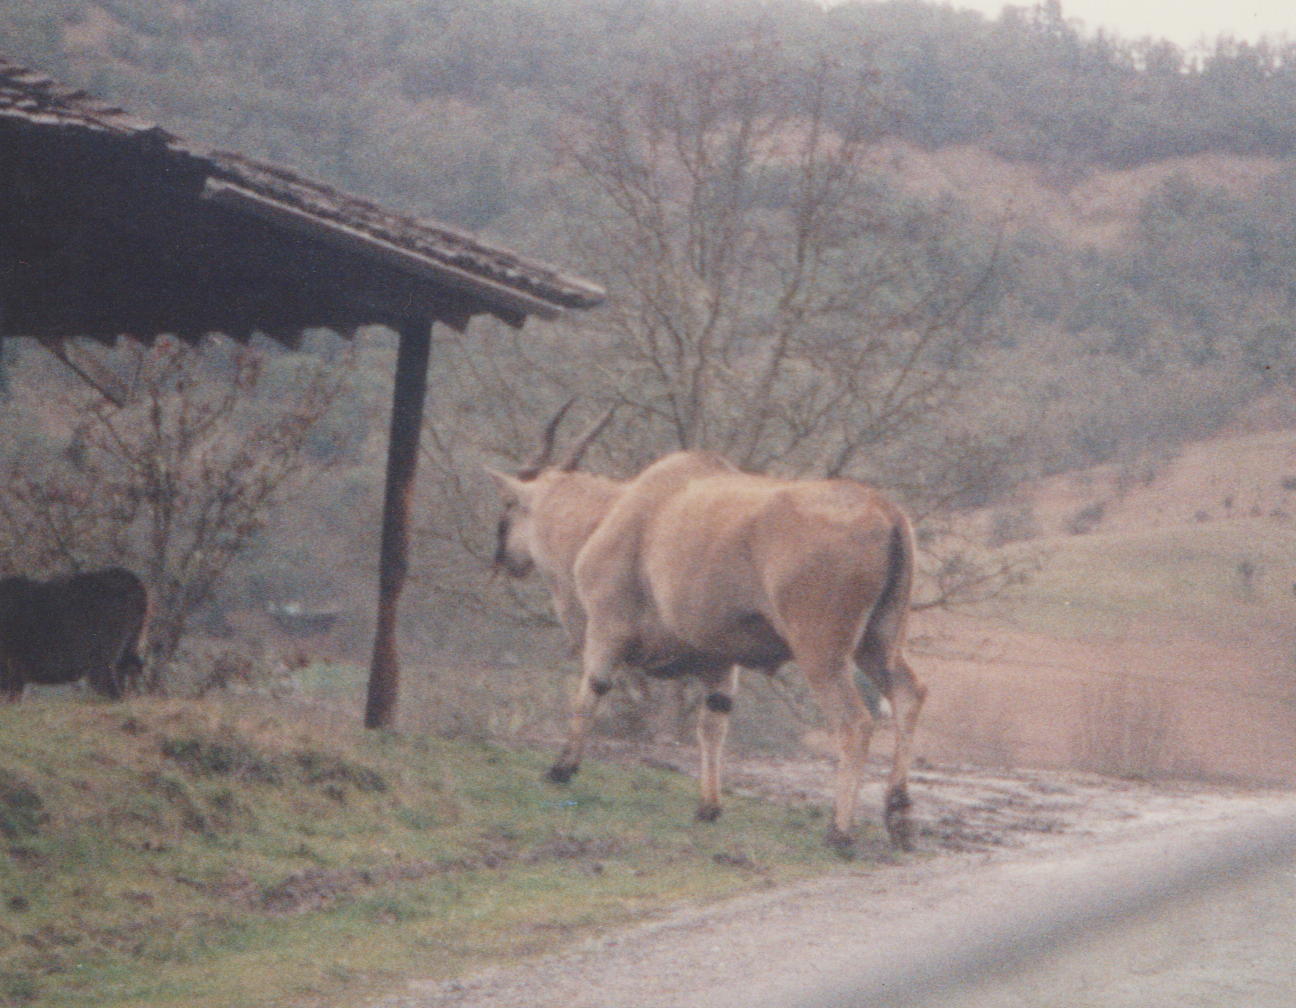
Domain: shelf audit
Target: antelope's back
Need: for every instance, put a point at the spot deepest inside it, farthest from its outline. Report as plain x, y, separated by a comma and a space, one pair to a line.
117, 600
736, 543
702, 552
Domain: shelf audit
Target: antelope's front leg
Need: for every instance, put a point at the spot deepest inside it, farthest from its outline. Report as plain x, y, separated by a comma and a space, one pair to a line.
713, 726
595, 682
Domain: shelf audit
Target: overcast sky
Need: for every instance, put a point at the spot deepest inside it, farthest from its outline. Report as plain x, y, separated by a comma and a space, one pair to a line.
1184, 22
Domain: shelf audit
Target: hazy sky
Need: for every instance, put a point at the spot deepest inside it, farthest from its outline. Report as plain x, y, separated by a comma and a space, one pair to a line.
1184, 22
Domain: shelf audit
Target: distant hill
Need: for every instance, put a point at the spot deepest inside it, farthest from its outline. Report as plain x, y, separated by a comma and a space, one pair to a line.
1128, 203
445, 104
1091, 205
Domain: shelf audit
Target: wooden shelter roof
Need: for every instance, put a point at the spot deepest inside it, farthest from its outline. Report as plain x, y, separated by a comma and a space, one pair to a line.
111, 225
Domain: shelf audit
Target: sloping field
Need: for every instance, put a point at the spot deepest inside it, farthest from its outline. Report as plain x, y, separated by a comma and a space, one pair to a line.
1162, 643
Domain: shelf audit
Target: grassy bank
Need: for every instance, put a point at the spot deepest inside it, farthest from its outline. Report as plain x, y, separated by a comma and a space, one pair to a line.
1218, 577
174, 853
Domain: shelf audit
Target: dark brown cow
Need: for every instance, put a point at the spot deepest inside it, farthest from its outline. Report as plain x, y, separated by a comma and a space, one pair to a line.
86, 626
696, 568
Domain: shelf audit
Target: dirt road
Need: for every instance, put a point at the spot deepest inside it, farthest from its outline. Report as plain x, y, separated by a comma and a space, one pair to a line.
1031, 888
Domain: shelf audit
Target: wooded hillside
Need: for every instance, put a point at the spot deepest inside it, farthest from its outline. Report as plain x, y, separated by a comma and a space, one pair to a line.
447, 103
893, 240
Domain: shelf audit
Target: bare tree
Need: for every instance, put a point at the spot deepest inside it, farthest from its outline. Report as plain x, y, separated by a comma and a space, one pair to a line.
174, 475
770, 300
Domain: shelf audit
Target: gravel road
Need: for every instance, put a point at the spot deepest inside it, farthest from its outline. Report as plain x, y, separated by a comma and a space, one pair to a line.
1030, 888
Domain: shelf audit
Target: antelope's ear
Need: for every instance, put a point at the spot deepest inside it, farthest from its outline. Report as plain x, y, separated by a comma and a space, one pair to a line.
512, 487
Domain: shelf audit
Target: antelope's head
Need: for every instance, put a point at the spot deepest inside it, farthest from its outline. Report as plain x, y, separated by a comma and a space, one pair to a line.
520, 528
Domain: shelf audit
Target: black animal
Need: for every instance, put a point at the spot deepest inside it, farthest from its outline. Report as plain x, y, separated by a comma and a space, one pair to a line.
86, 626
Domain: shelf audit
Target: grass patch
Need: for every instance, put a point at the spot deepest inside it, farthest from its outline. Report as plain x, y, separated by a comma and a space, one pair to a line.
183, 854
1213, 576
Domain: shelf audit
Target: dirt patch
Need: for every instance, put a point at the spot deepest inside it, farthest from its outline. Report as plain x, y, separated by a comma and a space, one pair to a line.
958, 808
1152, 700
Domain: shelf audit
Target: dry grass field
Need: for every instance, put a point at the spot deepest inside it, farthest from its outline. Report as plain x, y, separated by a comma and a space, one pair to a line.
1160, 643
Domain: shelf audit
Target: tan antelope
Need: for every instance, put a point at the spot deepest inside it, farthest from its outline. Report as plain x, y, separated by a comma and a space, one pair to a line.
695, 568
88, 625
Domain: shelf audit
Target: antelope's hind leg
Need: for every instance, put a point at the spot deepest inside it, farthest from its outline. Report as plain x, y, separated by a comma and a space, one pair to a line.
713, 726
11, 679
842, 705
130, 673
906, 695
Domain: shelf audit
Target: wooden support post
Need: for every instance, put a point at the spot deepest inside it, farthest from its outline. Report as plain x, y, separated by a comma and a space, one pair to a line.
408, 394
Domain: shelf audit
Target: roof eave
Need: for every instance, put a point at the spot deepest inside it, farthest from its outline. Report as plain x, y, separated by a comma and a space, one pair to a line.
513, 304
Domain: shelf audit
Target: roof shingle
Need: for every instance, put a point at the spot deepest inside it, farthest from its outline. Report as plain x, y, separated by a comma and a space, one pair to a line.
217, 206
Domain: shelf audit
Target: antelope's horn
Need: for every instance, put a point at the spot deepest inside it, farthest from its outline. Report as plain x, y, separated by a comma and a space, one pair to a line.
586, 439
532, 469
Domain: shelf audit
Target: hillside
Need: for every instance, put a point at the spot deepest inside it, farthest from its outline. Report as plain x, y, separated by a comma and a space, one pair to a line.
1157, 640
1084, 206
1050, 264
447, 108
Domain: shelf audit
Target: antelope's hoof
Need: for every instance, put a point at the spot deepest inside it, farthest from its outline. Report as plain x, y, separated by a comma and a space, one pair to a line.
901, 834
560, 774
840, 842
899, 826
708, 813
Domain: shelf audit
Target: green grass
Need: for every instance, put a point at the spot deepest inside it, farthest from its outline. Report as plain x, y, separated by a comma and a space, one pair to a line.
1111, 585
185, 854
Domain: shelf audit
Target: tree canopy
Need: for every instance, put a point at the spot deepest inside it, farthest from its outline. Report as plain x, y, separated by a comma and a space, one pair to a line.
448, 104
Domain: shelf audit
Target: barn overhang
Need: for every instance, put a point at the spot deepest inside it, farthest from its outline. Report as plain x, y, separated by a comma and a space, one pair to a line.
113, 226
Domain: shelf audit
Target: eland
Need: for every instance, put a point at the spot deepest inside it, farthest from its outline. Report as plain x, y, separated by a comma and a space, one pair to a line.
696, 568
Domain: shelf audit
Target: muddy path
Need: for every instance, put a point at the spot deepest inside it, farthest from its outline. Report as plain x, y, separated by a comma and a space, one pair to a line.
1029, 888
